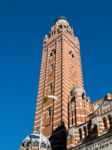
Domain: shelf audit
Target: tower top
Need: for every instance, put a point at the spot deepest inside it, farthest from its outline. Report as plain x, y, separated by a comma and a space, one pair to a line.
61, 24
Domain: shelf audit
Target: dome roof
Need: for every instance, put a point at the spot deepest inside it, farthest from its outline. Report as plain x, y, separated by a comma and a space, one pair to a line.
34, 139
76, 90
61, 17
62, 20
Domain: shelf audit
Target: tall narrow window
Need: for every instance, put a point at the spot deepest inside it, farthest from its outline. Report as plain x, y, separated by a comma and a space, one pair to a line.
50, 88
72, 117
83, 95
48, 117
49, 111
85, 131
89, 127
80, 134
105, 122
52, 66
110, 120
95, 130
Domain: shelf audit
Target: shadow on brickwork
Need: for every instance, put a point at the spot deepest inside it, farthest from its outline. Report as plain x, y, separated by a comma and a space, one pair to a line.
58, 138
92, 132
110, 129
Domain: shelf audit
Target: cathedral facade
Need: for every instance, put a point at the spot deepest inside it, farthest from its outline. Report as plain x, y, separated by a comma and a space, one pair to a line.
72, 122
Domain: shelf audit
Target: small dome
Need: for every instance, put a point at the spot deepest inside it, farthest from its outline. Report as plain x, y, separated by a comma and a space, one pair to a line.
62, 20
77, 90
34, 139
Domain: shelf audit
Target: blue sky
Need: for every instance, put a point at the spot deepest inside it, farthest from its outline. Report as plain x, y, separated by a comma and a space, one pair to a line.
23, 25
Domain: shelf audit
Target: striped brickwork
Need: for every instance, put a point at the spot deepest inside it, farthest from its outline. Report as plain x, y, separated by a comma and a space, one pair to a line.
61, 69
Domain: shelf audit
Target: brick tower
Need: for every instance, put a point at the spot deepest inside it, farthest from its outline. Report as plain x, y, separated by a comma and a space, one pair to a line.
60, 75
71, 122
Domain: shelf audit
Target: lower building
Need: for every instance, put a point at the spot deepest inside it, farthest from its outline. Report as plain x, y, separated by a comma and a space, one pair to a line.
96, 133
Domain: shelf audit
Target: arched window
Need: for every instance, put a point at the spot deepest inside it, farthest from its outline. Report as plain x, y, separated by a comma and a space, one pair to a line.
80, 133
105, 122
110, 120
85, 131
83, 95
